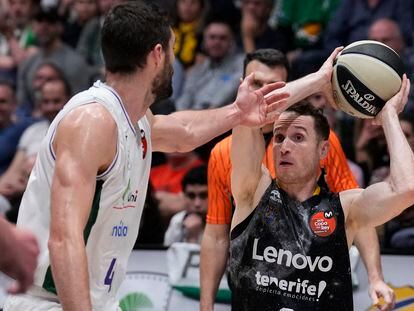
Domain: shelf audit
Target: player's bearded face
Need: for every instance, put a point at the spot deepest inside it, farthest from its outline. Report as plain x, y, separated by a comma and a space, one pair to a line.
162, 84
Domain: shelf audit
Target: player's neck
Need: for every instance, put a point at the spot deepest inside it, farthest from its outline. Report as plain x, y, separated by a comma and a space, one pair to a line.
135, 92
300, 191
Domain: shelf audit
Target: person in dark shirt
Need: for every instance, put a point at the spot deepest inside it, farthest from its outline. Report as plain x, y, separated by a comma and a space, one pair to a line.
290, 236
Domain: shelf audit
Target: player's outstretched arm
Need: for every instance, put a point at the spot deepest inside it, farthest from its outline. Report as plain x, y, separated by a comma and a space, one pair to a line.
185, 130
85, 145
381, 202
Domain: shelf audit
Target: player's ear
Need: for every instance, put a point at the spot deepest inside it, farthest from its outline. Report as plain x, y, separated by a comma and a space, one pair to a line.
324, 149
157, 53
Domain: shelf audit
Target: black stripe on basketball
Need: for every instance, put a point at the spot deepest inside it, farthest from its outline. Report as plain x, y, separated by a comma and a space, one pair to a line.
379, 52
357, 94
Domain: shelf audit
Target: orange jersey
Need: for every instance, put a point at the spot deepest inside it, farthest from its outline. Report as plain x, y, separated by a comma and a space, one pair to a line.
338, 176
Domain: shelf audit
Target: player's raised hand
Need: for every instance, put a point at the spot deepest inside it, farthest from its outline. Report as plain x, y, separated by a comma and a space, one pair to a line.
257, 106
395, 103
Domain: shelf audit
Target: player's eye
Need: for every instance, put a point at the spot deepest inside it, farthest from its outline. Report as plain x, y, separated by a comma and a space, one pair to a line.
279, 138
298, 138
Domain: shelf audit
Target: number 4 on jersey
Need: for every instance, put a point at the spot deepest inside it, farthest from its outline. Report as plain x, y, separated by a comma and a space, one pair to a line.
110, 274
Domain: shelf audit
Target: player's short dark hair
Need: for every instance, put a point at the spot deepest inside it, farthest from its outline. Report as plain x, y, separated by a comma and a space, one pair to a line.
270, 57
130, 32
195, 176
304, 108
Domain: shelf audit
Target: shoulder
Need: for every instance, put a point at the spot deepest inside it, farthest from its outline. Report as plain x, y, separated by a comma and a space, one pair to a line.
347, 198
93, 118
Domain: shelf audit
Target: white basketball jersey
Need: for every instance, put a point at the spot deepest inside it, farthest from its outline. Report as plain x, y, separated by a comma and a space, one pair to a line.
114, 219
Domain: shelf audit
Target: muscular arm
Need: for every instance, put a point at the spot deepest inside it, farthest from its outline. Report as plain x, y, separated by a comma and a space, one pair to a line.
213, 261
85, 144
382, 201
247, 151
185, 130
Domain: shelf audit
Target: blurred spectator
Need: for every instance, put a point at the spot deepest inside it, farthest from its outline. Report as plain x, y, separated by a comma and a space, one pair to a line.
388, 32
353, 18
188, 28
17, 39
188, 225
226, 10
83, 11
48, 27
370, 150
54, 95
89, 43
214, 82
166, 181
45, 71
306, 20
254, 28
350, 23
11, 128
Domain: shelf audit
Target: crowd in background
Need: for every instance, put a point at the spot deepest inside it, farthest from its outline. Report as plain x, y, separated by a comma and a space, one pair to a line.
50, 49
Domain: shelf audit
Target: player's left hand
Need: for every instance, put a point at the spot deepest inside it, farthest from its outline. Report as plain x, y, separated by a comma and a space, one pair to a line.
256, 108
395, 103
378, 289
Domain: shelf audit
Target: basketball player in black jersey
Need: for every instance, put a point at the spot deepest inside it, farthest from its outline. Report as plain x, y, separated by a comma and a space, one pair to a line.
290, 237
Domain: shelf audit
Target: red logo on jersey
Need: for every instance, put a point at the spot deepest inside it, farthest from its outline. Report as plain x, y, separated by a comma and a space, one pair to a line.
323, 223
144, 144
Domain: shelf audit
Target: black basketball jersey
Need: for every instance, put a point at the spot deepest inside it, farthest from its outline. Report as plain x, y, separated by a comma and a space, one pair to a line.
290, 255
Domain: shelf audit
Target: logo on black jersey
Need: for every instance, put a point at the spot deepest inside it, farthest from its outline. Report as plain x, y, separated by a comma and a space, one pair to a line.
275, 196
144, 144
323, 224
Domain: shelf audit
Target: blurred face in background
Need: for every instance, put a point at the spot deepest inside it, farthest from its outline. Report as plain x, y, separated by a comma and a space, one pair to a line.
196, 198
53, 98
388, 32
20, 11
85, 10
218, 41
189, 10
7, 105
259, 9
43, 74
47, 32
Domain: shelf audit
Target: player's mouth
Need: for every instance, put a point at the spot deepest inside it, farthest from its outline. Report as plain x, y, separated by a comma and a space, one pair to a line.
285, 163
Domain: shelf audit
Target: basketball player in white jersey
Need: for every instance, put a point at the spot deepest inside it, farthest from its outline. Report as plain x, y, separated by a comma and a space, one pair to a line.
85, 195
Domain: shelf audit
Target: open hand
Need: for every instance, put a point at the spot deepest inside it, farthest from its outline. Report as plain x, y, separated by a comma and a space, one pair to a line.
257, 108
